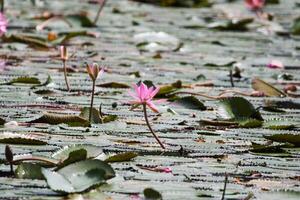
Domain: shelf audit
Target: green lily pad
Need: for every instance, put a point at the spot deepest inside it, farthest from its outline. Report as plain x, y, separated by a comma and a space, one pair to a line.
79, 177
15, 138
151, 194
285, 138
191, 102
279, 124
237, 108
29, 171
24, 80
121, 157
113, 85
71, 120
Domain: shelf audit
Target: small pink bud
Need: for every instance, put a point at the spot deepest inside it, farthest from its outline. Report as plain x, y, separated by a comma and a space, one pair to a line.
94, 71
275, 64
255, 4
64, 53
3, 24
290, 88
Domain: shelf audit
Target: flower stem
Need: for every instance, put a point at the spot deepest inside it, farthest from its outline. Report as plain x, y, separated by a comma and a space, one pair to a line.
99, 12
37, 158
92, 101
231, 78
225, 184
65, 74
148, 124
2, 6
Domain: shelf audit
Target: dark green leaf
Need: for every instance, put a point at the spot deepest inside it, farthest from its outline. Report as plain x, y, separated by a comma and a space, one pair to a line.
151, 194
237, 108
121, 157
191, 102
113, 85
71, 120
29, 171
285, 138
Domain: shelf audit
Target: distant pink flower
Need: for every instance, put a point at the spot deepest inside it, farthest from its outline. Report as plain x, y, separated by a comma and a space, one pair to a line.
3, 24
143, 96
255, 4
275, 64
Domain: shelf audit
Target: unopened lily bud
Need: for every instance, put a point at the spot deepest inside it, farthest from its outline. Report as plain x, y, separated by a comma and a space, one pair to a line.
94, 71
9, 154
63, 53
290, 88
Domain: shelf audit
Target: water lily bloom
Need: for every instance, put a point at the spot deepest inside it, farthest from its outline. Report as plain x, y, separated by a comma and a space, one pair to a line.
3, 24
255, 4
275, 64
144, 96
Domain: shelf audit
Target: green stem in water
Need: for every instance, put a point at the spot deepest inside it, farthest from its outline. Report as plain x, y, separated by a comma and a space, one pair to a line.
92, 101
65, 74
231, 78
99, 12
149, 126
37, 158
2, 6
225, 184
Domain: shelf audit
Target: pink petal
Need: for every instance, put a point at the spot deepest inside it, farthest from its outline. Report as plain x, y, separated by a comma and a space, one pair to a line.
153, 93
152, 106
143, 91
101, 72
274, 64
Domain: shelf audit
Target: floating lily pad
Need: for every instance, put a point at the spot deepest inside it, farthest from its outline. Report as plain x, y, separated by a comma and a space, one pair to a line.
231, 25
79, 176
279, 124
285, 138
121, 157
29, 171
151, 194
191, 102
15, 138
71, 120
24, 80
237, 108
113, 85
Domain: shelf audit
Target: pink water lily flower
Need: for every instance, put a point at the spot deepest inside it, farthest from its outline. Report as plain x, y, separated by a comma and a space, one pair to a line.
255, 4
144, 96
3, 24
275, 64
